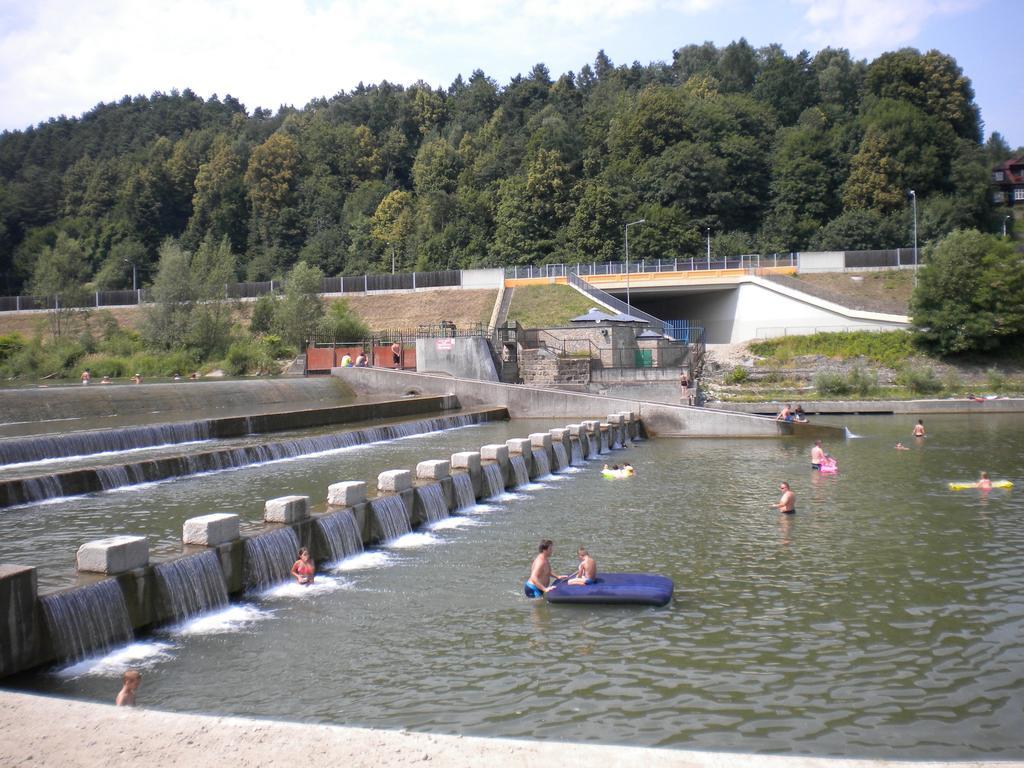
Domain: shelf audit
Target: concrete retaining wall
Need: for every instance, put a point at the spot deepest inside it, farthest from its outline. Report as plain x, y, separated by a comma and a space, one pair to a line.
465, 356
185, 397
534, 402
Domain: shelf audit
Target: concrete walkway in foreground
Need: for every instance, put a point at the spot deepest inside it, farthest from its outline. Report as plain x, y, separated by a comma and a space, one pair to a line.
45, 731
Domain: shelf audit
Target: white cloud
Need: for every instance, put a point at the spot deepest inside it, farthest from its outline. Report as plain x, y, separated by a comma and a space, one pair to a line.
868, 27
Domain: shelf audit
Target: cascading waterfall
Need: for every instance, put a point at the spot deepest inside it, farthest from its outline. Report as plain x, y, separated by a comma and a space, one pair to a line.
341, 533
540, 461
89, 480
592, 442
431, 497
87, 620
519, 470
392, 516
493, 479
192, 585
464, 495
604, 442
27, 449
268, 558
577, 452
561, 458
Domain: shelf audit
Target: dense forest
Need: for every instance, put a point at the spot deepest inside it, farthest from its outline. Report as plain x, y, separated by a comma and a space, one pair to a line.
771, 152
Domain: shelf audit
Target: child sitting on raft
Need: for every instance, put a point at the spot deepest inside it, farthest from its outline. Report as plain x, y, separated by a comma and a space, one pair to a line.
587, 572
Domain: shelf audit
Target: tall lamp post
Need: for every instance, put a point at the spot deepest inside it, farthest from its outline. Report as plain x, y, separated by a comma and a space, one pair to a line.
392, 257
913, 199
135, 281
709, 248
626, 228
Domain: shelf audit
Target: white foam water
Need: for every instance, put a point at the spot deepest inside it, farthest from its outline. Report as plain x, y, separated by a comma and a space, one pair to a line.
458, 521
413, 540
322, 585
508, 496
132, 656
481, 509
364, 562
232, 619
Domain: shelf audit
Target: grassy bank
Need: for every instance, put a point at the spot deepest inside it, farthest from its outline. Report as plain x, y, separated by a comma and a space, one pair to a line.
856, 365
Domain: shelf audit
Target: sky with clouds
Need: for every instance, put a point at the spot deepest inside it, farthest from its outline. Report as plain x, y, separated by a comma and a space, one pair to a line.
65, 56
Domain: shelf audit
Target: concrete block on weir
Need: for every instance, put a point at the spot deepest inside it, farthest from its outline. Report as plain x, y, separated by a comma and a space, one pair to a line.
346, 494
592, 425
394, 480
19, 637
519, 445
286, 509
541, 440
467, 460
495, 452
210, 530
614, 419
559, 434
575, 429
114, 555
435, 469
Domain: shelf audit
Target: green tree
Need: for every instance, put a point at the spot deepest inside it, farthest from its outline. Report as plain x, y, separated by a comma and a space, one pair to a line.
61, 272
166, 321
341, 324
212, 267
301, 309
970, 295
393, 222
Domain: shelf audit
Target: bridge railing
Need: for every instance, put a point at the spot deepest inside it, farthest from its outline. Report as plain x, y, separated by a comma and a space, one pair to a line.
645, 266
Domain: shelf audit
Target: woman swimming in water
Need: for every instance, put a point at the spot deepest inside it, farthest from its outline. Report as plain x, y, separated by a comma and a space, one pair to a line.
303, 570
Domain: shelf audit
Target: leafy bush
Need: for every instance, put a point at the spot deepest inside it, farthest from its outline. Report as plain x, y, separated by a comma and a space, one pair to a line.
995, 379
831, 383
248, 356
862, 382
11, 343
262, 320
889, 348
921, 381
737, 375
341, 325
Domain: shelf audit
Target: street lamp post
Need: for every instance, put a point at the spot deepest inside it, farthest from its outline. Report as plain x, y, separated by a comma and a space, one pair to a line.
913, 198
392, 257
626, 228
135, 281
709, 248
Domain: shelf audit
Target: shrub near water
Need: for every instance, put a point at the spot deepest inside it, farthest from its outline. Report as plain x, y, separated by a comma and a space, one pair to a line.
889, 348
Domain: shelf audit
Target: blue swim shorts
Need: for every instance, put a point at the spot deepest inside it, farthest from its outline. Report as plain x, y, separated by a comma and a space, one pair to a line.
531, 590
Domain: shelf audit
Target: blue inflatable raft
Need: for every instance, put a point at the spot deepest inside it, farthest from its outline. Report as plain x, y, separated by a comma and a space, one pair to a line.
616, 589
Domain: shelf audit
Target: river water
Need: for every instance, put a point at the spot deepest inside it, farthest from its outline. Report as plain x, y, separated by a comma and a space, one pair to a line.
884, 619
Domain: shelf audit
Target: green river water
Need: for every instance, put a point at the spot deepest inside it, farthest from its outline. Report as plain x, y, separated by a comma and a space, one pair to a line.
884, 619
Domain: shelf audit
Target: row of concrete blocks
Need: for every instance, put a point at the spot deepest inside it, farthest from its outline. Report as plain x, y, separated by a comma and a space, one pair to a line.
127, 557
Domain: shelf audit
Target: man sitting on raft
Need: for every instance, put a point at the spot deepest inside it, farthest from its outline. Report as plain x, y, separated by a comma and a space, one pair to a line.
587, 572
540, 571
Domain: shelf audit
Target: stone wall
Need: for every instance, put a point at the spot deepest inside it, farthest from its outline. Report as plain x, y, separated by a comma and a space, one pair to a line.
540, 366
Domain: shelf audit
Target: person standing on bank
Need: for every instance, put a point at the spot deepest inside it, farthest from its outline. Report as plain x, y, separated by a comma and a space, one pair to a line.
396, 355
787, 503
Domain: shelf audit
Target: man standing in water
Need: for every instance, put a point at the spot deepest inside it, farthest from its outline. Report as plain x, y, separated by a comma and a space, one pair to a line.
540, 571
787, 504
817, 455
919, 429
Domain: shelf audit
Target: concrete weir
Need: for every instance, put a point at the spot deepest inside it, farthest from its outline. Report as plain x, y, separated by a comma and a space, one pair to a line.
659, 419
135, 594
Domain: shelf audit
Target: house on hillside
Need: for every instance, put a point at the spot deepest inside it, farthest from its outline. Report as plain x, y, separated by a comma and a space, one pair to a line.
1008, 182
